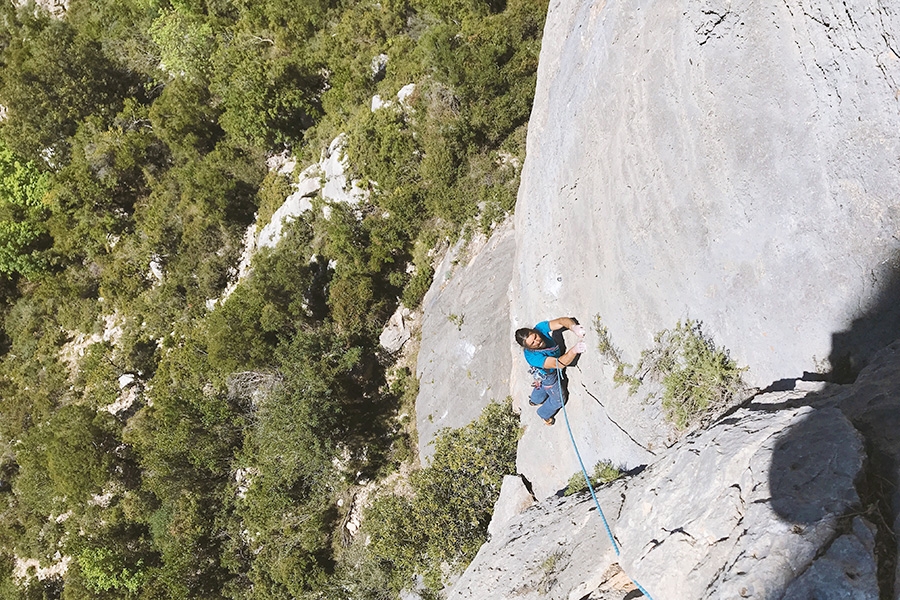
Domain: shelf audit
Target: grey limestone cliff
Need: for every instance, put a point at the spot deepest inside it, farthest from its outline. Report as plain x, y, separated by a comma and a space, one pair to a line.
736, 163
730, 162
464, 360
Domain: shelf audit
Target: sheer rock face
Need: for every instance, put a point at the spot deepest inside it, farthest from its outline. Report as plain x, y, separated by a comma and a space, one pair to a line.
734, 163
763, 504
464, 359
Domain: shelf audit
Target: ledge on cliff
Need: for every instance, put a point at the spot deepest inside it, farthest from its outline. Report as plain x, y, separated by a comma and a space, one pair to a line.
772, 501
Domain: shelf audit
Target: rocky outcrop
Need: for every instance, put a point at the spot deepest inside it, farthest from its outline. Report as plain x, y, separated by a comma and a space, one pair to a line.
397, 331
763, 504
327, 179
874, 408
514, 498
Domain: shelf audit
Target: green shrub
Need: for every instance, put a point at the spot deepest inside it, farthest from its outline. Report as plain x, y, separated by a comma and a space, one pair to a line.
697, 377
22, 189
268, 99
130, 166
351, 299
71, 454
273, 191
105, 570
52, 79
186, 118
418, 284
604, 472
383, 147
185, 43
445, 522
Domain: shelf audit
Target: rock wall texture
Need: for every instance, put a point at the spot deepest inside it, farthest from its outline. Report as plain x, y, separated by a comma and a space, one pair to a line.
730, 162
735, 163
772, 501
464, 359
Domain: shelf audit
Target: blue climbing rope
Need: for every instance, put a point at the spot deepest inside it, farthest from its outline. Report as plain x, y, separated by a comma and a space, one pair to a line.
587, 478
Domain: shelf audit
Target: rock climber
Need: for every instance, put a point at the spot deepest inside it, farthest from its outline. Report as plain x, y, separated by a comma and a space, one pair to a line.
546, 362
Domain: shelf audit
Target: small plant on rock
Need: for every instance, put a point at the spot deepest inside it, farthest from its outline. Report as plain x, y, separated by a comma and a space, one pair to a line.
609, 351
457, 320
604, 472
549, 568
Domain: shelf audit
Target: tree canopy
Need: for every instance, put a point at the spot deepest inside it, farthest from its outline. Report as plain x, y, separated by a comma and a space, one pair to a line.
175, 441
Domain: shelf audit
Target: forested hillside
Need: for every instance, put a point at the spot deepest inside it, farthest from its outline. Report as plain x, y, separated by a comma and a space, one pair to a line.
157, 444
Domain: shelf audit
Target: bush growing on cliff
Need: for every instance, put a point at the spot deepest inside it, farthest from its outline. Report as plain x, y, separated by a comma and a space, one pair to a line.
697, 377
604, 472
445, 521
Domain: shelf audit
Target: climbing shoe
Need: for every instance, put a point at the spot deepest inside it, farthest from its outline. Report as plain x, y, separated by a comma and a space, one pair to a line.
550, 421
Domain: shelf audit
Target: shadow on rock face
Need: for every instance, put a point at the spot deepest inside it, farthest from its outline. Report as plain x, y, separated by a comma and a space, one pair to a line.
814, 473
853, 349
813, 469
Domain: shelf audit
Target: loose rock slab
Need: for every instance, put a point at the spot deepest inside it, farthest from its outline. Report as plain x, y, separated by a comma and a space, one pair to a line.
736, 511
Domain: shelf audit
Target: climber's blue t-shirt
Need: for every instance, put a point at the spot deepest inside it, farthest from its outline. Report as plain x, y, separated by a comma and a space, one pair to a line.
536, 358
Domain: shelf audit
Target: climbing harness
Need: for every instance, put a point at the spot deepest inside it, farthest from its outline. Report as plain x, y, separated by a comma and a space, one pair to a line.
587, 479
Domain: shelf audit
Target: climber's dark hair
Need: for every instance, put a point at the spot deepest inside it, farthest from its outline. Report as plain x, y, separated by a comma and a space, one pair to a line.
522, 335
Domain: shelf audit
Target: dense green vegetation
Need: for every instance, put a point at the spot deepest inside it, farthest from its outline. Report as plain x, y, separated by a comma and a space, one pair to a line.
445, 520
132, 160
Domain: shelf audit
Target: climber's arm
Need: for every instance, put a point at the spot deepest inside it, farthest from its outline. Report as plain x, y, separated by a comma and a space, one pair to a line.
567, 323
562, 323
566, 359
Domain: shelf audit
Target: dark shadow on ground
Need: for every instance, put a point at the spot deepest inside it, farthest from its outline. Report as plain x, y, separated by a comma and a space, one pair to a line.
806, 463
806, 455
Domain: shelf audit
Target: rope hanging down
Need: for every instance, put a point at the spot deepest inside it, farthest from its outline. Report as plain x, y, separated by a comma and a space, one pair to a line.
587, 478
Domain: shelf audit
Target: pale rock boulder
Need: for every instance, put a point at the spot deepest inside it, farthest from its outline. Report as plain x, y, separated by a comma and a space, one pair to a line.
293, 206
464, 361
328, 178
514, 499
378, 66
397, 332
729, 162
